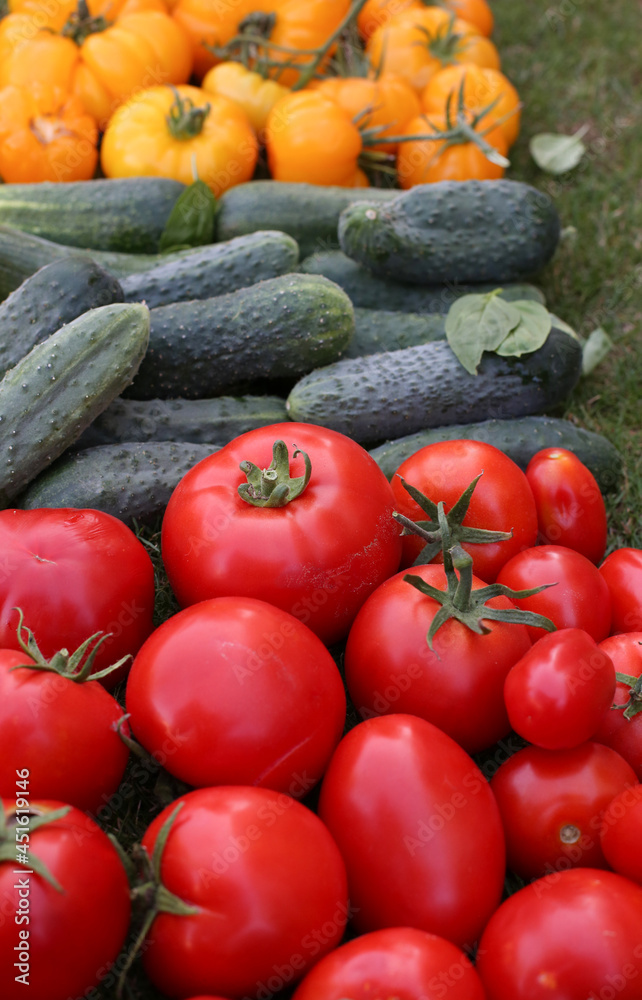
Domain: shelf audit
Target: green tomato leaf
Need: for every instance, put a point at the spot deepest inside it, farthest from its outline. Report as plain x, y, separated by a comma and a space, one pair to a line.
557, 154
191, 221
595, 348
478, 323
530, 333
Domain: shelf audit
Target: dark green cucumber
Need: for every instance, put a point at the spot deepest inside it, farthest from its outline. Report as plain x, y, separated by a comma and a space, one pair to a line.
456, 231
370, 292
130, 481
121, 214
519, 438
276, 329
56, 294
214, 269
308, 212
55, 392
394, 393
378, 330
197, 420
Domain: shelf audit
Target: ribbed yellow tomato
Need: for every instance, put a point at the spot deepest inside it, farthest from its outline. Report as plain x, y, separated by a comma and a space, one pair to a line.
256, 95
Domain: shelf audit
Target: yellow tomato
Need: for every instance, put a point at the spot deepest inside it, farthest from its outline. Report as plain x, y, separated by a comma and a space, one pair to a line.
54, 15
384, 104
182, 133
256, 95
377, 12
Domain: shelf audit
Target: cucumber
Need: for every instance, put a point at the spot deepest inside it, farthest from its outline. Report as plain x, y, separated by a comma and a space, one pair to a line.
118, 214
55, 391
131, 481
378, 330
276, 329
308, 212
454, 231
395, 393
196, 420
214, 269
519, 438
370, 292
56, 294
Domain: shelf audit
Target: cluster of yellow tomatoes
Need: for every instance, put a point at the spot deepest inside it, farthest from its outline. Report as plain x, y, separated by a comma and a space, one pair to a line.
192, 88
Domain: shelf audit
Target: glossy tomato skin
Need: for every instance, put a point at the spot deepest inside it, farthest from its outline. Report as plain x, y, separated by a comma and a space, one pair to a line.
258, 699
622, 571
398, 961
502, 499
74, 935
458, 687
621, 833
74, 573
412, 815
551, 803
572, 934
269, 883
317, 558
63, 732
579, 599
616, 731
561, 690
570, 505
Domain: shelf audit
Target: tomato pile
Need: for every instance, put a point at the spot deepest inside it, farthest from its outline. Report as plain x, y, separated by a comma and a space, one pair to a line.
399, 724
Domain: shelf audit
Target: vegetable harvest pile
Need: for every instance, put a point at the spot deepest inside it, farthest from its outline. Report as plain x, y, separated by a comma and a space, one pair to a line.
320, 647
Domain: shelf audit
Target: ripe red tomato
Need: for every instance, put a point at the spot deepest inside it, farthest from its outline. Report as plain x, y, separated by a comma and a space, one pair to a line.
62, 939
413, 815
389, 667
621, 833
258, 699
318, 557
74, 573
399, 962
579, 599
572, 934
570, 506
622, 571
551, 803
501, 501
561, 690
621, 729
268, 884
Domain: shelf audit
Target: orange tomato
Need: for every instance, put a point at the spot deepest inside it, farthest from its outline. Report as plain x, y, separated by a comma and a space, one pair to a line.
424, 161
385, 104
374, 13
481, 87
46, 14
45, 135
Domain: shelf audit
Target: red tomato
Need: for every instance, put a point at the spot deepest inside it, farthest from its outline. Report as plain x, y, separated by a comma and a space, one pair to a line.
413, 815
623, 732
74, 573
62, 731
551, 803
268, 884
570, 505
622, 571
318, 557
573, 935
258, 699
459, 687
399, 962
561, 690
501, 501
579, 599
621, 833
61, 940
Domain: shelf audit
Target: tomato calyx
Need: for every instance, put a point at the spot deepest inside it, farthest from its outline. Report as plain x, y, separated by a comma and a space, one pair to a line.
15, 849
634, 703
63, 663
185, 121
273, 487
80, 25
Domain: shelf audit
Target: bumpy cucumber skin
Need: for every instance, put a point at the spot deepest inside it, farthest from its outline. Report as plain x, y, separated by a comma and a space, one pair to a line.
214, 269
197, 420
368, 291
378, 330
131, 481
56, 294
520, 439
308, 212
395, 393
454, 231
276, 329
54, 393
126, 214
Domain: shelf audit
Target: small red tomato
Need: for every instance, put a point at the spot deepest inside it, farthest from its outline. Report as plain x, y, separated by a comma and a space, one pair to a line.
622, 571
559, 692
621, 833
621, 729
570, 506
